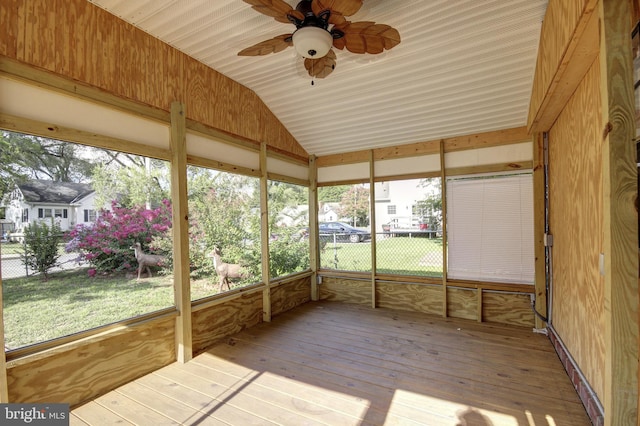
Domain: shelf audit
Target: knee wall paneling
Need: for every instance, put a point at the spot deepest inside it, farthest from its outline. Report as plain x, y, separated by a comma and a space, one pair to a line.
289, 295
79, 371
216, 322
345, 290
499, 307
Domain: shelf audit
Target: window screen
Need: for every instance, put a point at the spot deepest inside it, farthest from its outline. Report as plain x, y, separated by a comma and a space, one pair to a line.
490, 228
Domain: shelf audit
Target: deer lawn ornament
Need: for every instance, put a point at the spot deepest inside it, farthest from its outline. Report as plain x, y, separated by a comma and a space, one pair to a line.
146, 260
225, 270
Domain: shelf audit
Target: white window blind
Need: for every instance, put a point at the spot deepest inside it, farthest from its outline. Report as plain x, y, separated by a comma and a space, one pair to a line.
490, 228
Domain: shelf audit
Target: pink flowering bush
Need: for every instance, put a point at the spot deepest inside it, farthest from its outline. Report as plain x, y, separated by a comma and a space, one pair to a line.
106, 244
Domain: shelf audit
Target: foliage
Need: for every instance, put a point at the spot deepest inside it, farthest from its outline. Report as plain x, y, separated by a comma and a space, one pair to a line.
223, 214
355, 205
288, 249
430, 209
25, 157
288, 253
332, 194
41, 247
106, 244
132, 180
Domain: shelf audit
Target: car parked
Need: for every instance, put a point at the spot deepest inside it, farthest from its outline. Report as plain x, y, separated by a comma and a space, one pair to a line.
342, 232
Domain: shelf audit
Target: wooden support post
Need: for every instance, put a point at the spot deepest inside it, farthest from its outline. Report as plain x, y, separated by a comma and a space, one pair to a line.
539, 228
180, 227
264, 231
372, 218
443, 194
4, 387
620, 219
313, 227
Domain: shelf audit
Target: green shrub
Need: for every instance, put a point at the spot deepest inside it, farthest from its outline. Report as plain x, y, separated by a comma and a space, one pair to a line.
41, 247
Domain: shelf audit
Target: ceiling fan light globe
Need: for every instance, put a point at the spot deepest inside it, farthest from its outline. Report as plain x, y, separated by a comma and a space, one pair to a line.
312, 42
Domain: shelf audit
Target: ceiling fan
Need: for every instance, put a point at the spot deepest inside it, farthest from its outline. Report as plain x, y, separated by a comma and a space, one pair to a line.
321, 24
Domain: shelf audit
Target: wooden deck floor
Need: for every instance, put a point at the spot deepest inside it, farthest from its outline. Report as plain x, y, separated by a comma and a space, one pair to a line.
338, 364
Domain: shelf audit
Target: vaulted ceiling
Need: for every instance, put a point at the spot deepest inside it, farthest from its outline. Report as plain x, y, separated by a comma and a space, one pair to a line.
463, 67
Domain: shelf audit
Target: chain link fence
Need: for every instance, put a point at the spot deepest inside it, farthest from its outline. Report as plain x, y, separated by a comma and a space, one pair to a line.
12, 249
417, 253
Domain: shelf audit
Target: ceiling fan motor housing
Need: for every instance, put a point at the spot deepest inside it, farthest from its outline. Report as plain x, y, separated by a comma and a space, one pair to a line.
311, 39
312, 42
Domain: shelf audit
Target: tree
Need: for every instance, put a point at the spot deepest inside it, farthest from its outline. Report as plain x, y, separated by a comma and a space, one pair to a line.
132, 180
430, 209
355, 205
41, 247
25, 157
332, 194
288, 251
222, 214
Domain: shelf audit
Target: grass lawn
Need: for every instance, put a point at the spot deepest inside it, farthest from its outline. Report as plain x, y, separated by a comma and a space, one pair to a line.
18, 248
397, 255
11, 248
70, 301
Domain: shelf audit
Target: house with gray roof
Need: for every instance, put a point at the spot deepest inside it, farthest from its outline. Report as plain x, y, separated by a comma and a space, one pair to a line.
65, 203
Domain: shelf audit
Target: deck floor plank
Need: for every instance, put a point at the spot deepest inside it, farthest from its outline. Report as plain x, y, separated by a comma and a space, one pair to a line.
95, 414
201, 401
329, 363
404, 354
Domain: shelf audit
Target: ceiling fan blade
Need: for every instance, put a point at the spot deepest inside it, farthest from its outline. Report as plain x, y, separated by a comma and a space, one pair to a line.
274, 45
277, 9
339, 7
322, 67
367, 37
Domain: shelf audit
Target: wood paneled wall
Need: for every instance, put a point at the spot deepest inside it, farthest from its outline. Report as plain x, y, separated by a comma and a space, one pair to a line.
221, 320
576, 222
81, 370
80, 41
563, 21
500, 307
289, 295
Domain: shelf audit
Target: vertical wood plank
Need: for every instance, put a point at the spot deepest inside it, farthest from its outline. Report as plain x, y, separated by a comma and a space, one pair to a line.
264, 226
372, 218
539, 227
479, 299
4, 388
180, 226
620, 220
562, 21
9, 25
313, 227
443, 194
40, 40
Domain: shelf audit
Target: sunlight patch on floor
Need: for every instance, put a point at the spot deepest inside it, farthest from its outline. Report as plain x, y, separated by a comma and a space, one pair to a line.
430, 410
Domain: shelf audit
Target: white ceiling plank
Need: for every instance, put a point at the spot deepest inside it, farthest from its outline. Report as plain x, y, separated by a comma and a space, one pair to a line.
463, 67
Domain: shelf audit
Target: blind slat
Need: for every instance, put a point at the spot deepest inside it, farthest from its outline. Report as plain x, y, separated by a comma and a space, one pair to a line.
490, 228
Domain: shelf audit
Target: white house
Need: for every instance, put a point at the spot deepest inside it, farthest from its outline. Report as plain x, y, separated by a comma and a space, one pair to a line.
294, 216
327, 212
66, 203
396, 202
